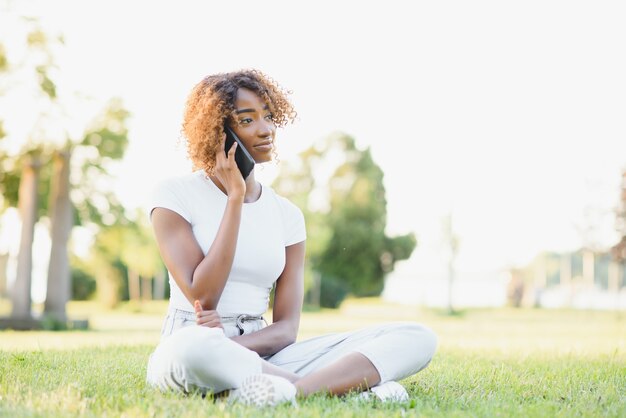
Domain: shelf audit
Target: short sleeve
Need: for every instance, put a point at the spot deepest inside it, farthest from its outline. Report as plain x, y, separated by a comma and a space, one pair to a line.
295, 229
168, 195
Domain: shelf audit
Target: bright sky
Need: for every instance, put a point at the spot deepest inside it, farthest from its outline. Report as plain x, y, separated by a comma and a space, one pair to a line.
509, 115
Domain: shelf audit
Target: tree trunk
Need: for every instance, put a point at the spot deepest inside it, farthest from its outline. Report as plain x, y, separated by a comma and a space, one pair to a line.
452, 244
450, 284
146, 288
134, 287
316, 291
159, 285
28, 213
4, 260
108, 286
59, 276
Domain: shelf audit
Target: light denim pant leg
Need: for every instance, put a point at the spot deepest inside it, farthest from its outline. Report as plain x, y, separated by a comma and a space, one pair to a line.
191, 358
397, 350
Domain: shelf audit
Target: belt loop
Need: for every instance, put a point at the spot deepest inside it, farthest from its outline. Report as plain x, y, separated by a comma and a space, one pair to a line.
239, 324
240, 319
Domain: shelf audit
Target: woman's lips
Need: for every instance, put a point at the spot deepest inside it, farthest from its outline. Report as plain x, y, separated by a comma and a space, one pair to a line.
266, 146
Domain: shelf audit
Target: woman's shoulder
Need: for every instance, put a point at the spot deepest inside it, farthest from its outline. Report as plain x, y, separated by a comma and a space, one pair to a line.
182, 185
181, 180
292, 218
283, 202
176, 192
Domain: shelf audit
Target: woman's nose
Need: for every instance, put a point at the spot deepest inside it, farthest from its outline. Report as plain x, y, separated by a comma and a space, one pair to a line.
266, 129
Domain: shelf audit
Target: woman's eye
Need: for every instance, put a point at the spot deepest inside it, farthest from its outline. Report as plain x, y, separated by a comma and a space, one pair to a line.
269, 116
245, 121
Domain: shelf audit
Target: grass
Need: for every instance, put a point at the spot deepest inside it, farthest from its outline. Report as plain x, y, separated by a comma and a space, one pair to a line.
490, 363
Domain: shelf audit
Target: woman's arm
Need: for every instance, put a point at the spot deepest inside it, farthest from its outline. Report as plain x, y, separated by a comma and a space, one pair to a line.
286, 310
198, 276
203, 277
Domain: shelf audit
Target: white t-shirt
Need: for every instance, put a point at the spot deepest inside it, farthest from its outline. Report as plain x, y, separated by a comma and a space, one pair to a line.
267, 226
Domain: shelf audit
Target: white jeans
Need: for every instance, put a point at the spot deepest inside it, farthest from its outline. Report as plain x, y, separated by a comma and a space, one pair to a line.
193, 358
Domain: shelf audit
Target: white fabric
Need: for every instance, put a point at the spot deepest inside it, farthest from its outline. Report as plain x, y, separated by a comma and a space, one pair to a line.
388, 391
267, 226
198, 359
397, 350
177, 319
191, 357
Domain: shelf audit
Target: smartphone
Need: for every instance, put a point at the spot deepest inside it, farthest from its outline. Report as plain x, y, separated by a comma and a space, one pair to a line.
244, 160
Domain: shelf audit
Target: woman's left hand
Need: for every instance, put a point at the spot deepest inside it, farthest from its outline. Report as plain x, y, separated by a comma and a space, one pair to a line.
204, 318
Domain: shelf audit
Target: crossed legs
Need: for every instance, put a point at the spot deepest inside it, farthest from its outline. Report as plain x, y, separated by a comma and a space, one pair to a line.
352, 372
199, 358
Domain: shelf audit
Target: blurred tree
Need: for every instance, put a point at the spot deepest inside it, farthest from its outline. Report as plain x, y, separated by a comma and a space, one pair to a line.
140, 254
83, 283
296, 181
104, 263
95, 205
346, 219
75, 155
20, 296
451, 245
58, 290
4, 256
22, 182
358, 252
122, 255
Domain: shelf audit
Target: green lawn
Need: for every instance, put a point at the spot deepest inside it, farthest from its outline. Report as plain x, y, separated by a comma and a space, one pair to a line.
501, 362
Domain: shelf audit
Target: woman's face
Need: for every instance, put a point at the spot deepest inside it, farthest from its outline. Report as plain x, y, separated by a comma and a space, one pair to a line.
253, 125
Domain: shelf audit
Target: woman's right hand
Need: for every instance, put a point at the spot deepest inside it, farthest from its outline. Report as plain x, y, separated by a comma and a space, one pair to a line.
228, 173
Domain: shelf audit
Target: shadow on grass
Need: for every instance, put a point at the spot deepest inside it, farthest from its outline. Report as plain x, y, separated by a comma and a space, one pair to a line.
454, 313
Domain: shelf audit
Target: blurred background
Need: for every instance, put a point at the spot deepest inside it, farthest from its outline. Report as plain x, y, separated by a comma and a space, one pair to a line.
448, 155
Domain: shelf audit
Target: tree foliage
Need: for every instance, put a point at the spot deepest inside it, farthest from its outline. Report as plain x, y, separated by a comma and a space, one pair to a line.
119, 249
346, 218
93, 134
95, 139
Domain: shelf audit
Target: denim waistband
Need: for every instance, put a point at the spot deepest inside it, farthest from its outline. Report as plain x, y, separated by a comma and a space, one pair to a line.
237, 320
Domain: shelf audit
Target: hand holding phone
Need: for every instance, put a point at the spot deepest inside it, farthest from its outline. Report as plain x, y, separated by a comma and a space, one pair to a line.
244, 160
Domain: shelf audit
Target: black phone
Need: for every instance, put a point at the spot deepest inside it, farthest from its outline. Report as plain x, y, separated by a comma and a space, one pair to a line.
244, 160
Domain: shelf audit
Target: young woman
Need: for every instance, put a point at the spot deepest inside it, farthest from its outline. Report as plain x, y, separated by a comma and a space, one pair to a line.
226, 241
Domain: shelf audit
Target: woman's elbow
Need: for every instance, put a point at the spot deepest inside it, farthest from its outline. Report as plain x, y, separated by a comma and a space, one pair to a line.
288, 340
207, 302
289, 335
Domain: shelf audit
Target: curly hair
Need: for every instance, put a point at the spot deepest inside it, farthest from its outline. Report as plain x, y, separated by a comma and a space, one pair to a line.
211, 103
